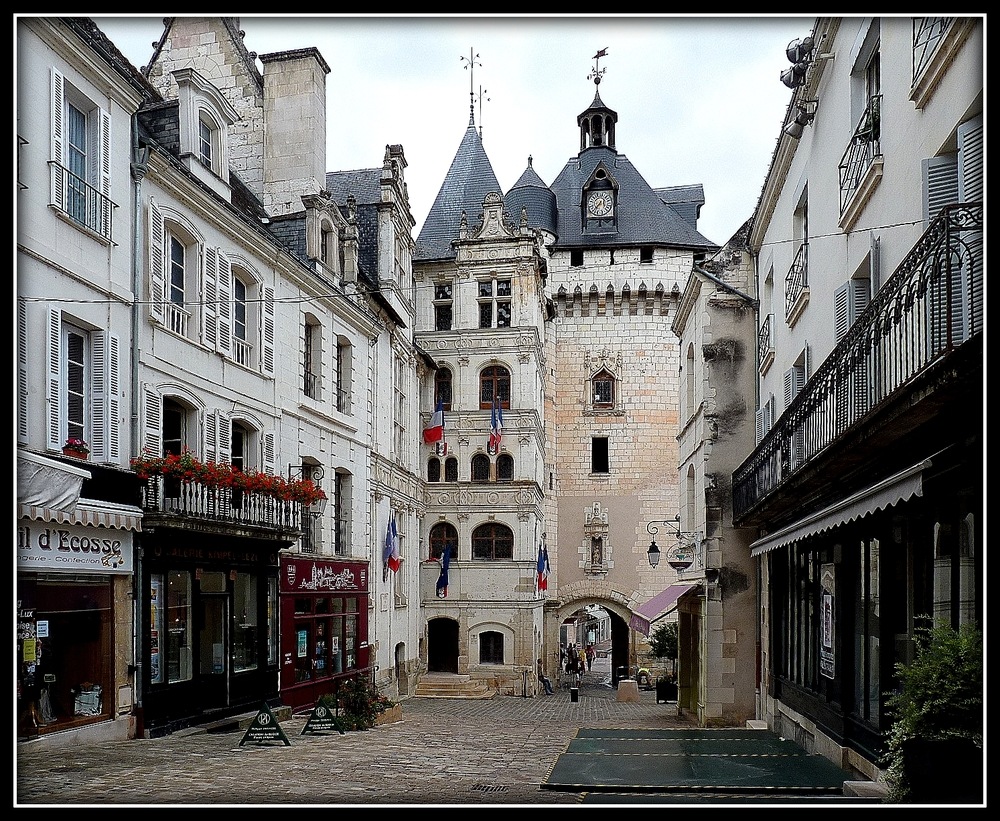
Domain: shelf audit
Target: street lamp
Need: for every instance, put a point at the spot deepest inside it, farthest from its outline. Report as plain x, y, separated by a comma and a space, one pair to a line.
680, 556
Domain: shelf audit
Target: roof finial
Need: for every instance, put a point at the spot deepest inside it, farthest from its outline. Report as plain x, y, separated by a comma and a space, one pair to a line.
472, 61
482, 93
597, 71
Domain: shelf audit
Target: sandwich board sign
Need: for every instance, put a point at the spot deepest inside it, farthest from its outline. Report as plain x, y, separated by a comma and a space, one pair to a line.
264, 728
322, 720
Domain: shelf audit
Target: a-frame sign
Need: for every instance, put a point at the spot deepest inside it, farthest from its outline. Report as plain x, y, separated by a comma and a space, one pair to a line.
264, 728
322, 720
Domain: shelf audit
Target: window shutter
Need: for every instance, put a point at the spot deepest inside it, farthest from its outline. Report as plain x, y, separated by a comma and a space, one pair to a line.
940, 184
970, 187
210, 445
22, 372
99, 159
210, 298
105, 401
267, 332
759, 423
224, 311
157, 280
841, 311
152, 422
224, 427
267, 451
53, 385
57, 113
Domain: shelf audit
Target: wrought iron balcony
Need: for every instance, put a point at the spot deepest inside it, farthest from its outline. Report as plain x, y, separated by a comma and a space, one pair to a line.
195, 505
765, 344
861, 152
82, 202
930, 306
797, 283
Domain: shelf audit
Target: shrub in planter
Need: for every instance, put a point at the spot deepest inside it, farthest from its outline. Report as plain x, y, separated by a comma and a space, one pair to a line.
360, 704
935, 744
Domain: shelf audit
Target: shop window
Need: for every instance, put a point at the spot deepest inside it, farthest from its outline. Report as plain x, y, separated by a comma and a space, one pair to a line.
272, 621
245, 630
170, 650
490, 647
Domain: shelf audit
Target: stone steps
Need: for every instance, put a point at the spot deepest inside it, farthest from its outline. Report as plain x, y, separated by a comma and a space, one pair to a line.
452, 685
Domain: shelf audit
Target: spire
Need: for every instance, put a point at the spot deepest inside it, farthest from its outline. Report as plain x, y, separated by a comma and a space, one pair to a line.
597, 123
470, 64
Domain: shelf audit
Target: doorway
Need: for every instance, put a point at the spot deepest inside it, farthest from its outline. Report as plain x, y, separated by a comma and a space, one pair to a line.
213, 662
442, 646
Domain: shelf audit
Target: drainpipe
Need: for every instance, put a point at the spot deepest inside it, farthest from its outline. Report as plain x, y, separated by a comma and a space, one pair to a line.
139, 167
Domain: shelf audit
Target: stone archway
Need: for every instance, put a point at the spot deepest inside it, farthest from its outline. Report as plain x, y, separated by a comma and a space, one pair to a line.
570, 608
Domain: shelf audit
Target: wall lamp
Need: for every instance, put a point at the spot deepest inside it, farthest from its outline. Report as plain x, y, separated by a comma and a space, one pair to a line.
314, 472
805, 113
680, 556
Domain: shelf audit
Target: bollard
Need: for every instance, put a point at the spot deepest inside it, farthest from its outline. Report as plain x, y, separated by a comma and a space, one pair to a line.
574, 693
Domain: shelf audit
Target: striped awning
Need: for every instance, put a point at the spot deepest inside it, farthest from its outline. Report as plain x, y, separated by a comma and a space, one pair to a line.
888, 492
88, 512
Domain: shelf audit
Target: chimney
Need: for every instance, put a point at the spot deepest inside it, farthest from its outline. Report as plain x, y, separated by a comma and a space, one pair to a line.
294, 128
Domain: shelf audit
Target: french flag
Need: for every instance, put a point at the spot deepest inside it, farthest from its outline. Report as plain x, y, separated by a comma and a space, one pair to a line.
390, 557
543, 569
435, 431
496, 427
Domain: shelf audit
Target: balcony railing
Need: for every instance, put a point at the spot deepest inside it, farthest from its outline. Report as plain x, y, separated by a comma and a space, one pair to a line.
765, 344
222, 505
797, 279
81, 201
242, 352
932, 304
861, 152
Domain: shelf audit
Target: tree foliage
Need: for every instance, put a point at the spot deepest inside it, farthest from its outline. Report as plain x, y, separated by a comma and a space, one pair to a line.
663, 641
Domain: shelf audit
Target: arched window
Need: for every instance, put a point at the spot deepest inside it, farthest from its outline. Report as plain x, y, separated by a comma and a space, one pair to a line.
451, 469
480, 468
490, 647
443, 535
604, 390
492, 541
433, 470
505, 468
442, 388
494, 381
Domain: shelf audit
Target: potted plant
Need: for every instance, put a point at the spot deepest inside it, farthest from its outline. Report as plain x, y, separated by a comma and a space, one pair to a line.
76, 448
663, 643
935, 743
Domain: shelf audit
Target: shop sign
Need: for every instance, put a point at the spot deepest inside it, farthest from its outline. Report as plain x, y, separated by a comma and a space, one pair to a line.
72, 548
317, 576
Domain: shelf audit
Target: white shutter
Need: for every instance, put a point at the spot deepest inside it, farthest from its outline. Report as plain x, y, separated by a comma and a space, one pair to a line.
267, 331
53, 384
57, 114
22, 372
113, 381
224, 310
152, 422
224, 427
841, 311
98, 397
103, 178
940, 184
267, 452
210, 298
157, 261
759, 425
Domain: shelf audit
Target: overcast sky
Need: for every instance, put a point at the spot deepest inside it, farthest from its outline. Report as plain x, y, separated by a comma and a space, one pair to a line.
699, 99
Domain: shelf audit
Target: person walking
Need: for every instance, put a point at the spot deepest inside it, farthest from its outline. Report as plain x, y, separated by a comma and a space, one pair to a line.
590, 656
546, 683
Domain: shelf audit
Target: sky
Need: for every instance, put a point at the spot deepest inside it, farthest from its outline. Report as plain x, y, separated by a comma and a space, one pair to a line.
699, 99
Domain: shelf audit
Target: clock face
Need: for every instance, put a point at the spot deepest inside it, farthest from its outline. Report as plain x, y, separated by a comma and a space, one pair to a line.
599, 204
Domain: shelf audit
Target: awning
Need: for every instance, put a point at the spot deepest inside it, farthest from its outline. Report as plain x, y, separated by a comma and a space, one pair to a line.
657, 607
898, 488
88, 512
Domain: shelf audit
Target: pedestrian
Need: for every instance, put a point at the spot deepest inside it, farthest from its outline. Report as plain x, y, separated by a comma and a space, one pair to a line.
546, 683
590, 656
582, 655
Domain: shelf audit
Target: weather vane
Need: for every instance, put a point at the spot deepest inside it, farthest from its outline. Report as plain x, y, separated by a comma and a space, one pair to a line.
598, 72
472, 61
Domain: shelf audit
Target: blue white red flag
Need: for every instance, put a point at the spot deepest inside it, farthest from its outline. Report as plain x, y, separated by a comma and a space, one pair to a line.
442, 582
496, 427
434, 432
543, 569
390, 557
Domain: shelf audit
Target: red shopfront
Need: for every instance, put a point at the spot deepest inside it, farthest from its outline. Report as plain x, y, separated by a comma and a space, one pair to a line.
324, 627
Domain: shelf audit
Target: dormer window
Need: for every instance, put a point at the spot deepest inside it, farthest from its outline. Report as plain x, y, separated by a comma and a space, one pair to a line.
205, 142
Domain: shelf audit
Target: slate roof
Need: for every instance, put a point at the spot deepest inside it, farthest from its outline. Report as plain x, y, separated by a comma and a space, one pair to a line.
645, 216
465, 186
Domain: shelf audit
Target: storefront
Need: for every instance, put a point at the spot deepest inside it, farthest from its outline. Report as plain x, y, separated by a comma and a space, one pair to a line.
210, 638
74, 602
324, 627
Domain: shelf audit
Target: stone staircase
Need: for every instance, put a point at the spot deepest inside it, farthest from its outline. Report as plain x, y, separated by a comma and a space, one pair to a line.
452, 685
